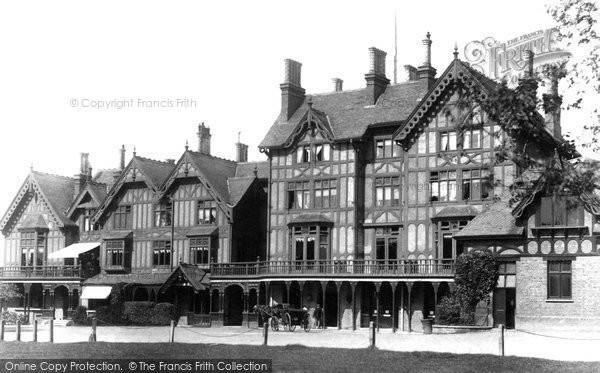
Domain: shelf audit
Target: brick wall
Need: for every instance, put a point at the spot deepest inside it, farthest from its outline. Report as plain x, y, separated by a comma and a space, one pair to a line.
535, 312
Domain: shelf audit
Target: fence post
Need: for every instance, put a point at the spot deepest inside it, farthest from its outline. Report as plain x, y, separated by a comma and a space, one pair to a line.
172, 336
371, 334
18, 330
93, 337
2, 323
35, 328
501, 340
265, 332
51, 330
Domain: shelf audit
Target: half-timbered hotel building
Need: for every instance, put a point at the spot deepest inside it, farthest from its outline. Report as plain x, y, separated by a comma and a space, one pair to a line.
365, 201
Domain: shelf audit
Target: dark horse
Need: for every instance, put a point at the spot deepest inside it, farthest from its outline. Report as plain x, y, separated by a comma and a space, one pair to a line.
265, 312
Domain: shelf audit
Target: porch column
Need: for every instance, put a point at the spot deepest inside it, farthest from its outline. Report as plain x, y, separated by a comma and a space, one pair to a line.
409, 288
435, 285
301, 286
43, 298
338, 285
353, 286
245, 301
287, 291
377, 288
323, 317
70, 296
393, 285
401, 307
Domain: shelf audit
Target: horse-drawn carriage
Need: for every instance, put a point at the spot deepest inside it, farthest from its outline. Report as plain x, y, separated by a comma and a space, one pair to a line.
285, 317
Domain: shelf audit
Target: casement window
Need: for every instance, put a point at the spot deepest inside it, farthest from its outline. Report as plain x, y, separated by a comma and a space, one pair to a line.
559, 279
161, 253
207, 212
474, 184
443, 186
311, 242
87, 220
386, 243
560, 211
33, 248
299, 195
162, 214
387, 191
303, 154
472, 139
447, 141
448, 247
386, 148
322, 152
200, 250
123, 218
325, 193
115, 253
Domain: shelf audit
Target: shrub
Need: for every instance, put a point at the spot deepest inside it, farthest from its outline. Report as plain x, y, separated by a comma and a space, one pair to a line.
449, 311
80, 316
138, 313
475, 278
11, 317
163, 314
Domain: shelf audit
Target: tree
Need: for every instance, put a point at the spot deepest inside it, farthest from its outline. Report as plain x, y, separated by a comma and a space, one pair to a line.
8, 291
579, 31
475, 278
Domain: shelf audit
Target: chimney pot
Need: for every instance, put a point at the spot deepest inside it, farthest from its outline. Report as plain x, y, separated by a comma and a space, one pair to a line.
411, 73
337, 84
170, 161
426, 71
377, 61
376, 79
204, 139
122, 158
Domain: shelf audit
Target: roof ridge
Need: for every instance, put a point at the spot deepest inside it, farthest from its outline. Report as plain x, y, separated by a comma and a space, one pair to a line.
54, 175
213, 156
360, 89
153, 160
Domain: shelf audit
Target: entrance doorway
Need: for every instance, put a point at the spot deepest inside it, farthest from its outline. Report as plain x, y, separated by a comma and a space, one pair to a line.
505, 295
234, 305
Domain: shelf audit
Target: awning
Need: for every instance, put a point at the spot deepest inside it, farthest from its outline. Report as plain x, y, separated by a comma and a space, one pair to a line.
311, 218
96, 292
73, 251
201, 231
116, 235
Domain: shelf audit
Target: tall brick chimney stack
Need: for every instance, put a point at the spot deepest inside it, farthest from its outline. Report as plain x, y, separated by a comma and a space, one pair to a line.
203, 139
83, 176
376, 79
426, 71
552, 102
241, 151
337, 84
292, 93
122, 158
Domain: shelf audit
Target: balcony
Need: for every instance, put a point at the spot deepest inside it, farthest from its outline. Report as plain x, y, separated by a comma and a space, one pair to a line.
425, 268
47, 272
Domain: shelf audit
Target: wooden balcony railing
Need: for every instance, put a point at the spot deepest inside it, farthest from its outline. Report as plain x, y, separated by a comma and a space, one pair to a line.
336, 268
66, 271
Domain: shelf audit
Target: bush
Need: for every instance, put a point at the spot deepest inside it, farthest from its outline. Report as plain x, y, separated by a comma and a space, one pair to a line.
11, 317
80, 316
138, 313
163, 314
448, 311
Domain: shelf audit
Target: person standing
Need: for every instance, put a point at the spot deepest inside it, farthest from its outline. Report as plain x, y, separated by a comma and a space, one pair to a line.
318, 315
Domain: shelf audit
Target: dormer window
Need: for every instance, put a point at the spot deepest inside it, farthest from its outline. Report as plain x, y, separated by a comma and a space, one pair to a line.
386, 148
316, 152
559, 211
87, 220
322, 152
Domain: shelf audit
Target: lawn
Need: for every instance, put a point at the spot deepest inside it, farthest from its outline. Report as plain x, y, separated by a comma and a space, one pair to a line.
298, 358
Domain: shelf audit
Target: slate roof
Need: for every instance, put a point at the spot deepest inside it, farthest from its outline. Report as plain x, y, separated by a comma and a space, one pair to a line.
156, 171
194, 275
247, 169
33, 220
457, 212
216, 171
496, 221
143, 278
350, 113
238, 187
105, 177
58, 191
310, 218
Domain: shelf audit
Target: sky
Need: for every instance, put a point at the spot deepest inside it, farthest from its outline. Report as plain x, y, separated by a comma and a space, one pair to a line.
220, 63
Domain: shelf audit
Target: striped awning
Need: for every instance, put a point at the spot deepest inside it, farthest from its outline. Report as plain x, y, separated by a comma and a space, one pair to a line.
96, 292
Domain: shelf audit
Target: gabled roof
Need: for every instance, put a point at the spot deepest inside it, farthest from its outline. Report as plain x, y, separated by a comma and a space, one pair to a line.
190, 274
216, 171
33, 220
497, 221
55, 191
457, 72
349, 113
464, 211
152, 172
97, 193
238, 187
